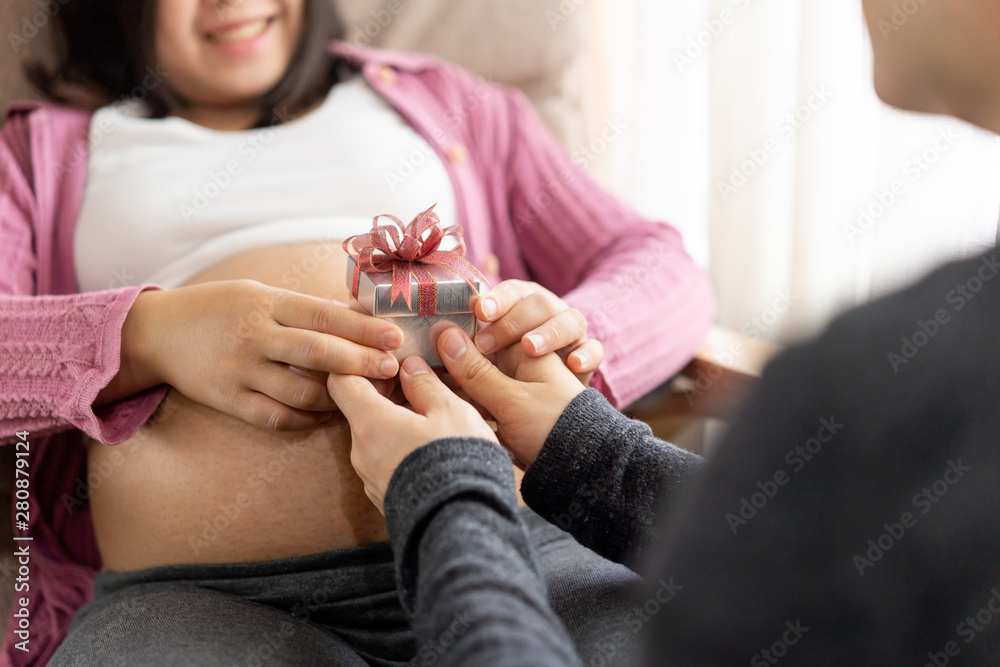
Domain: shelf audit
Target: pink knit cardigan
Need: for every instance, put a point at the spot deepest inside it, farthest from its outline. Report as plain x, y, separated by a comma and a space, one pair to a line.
528, 212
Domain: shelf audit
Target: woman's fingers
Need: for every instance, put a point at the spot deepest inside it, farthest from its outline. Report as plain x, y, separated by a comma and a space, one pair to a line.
517, 364
502, 298
293, 388
527, 314
321, 352
564, 329
319, 376
524, 312
264, 412
313, 314
587, 357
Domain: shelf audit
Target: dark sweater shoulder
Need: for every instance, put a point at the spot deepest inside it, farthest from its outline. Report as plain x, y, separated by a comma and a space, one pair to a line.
933, 326
857, 492
916, 364
893, 383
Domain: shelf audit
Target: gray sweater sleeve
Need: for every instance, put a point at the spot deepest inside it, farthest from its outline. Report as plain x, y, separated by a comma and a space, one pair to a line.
467, 575
605, 478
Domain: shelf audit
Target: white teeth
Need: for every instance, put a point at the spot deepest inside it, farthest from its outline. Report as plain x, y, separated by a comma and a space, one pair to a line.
243, 32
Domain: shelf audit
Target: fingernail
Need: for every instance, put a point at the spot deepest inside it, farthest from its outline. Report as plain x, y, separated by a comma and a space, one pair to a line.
489, 308
581, 359
537, 342
454, 344
415, 366
389, 367
392, 340
486, 343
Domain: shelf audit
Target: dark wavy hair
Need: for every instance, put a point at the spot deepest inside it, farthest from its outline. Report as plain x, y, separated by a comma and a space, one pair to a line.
105, 51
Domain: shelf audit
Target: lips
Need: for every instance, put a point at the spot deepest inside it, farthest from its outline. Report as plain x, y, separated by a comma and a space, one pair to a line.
240, 32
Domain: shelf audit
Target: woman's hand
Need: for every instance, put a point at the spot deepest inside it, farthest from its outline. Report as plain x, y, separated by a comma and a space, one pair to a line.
383, 433
258, 353
519, 311
525, 395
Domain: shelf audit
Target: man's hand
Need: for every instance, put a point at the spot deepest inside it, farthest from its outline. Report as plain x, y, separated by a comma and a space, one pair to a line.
518, 311
525, 395
383, 433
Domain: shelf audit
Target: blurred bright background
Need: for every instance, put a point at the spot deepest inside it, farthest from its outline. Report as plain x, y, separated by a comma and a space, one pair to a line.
753, 126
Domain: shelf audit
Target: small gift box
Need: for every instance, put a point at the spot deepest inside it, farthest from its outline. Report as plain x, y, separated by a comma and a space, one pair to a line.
400, 272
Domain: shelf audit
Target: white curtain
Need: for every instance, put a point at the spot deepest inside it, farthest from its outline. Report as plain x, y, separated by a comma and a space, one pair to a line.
753, 126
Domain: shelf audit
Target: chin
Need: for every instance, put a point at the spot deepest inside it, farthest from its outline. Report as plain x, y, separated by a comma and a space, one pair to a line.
250, 93
900, 92
250, 88
245, 79
890, 94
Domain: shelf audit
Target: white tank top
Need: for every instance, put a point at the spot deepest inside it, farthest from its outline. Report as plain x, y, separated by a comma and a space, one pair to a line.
167, 199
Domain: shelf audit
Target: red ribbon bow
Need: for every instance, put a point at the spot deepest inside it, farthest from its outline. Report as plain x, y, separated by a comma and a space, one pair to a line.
404, 250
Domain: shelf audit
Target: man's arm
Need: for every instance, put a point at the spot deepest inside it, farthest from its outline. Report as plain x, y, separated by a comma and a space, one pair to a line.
605, 478
450, 506
468, 576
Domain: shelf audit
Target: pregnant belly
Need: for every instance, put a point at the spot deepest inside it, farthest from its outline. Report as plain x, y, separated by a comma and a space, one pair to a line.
197, 486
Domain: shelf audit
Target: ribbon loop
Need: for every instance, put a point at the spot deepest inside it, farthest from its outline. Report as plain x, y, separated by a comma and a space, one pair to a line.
404, 250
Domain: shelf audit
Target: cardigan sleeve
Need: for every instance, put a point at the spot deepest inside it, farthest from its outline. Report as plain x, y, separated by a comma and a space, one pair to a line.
641, 293
56, 352
606, 479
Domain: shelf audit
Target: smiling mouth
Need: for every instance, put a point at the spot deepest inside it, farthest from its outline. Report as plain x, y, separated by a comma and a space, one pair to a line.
240, 33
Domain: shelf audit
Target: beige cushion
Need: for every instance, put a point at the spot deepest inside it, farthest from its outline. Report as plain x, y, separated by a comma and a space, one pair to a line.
525, 43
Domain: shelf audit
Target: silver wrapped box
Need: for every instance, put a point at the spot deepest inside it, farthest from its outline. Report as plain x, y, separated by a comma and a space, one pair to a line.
420, 332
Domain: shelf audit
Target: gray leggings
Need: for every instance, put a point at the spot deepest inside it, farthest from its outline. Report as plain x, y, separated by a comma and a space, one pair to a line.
335, 608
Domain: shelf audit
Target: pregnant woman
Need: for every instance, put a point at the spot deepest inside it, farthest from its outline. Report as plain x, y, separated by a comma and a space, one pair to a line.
172, 284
